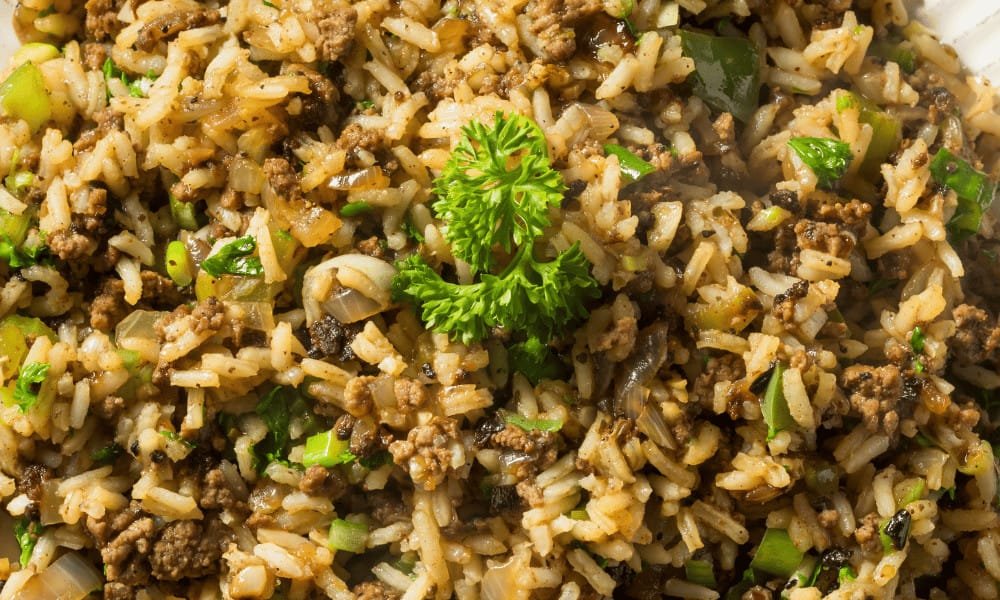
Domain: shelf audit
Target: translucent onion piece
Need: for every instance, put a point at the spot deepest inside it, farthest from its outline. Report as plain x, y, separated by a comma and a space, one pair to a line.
350, 306
365, 179
68, 578
138, 324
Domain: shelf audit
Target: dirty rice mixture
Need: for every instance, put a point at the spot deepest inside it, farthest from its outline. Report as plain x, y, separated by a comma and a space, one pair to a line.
494, 299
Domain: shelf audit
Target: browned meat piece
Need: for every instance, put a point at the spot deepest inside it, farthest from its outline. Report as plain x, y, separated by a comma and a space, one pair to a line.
977, 335
94, 55
124, 540
867, 534
189, 549
374, 590
282, 178
118, 591
167, 26
354, 137
785, 257
372, 247
619, 341
410, 394
825, 237
102, 22
426, 452
329, 337
92, 218
553, 21
437, 85
320, 481
874, 394
358, 395
207, 315
336, 31
109, 305
784, 303
540, 449
70, 246
728, 367
319, 106
387, 507
894, 265
854, 215
31, 483
106, 120
108, 408
218, 494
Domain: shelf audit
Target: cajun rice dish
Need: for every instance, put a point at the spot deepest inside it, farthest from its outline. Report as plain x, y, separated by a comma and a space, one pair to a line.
549, 299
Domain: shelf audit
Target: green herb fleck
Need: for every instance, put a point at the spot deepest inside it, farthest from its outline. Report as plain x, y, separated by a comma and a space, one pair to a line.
633, 168
235, 258
535, 360
827, 158
27, 533
353, 209
548, 425
173, 436
25, 390
107, 454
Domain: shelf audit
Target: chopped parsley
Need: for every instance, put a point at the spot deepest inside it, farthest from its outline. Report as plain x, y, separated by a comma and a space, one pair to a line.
495, 194
235, 258
535, 360
827, 158
27, 533
277, 409
29, 379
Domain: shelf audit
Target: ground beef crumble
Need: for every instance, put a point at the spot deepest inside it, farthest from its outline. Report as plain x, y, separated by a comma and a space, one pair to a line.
977, 335
374, 590
282, 178
426, 452
874, 394
189, 549
553, 21
336, 31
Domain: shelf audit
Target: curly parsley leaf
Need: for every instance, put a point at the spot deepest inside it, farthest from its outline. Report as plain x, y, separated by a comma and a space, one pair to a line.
827, 158
27, 533
26, 390
974, 189
235, 258
535, 360
496, 189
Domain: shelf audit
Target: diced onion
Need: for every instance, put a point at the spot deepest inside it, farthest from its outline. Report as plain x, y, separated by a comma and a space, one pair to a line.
370, 178
348, 305
68, 578
138, 324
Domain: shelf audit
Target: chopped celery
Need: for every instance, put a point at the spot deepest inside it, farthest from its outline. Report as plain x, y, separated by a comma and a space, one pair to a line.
776, 555
727, 72
911, 491
731, 315
348, 536
32, 327
633, 168
327, 450
18, 181
23, 96
579, 514
13, 348
803, 577
184, 213
549, 425
885, 132
130, 358
901, 53
774, 406
35, 52
700, 572
974, 189
14, 226
178, 263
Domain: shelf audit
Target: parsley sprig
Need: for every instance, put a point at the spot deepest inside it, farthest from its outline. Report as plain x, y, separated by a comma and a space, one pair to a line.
495, 192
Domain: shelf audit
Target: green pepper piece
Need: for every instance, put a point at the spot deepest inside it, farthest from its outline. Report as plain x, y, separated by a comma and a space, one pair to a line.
23, 96
727, 72
774, 406
885, 132
184, 214
776, 555
36, 52
353, 209
901, 53
179, 266
14, 226
974, 189
700, 572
